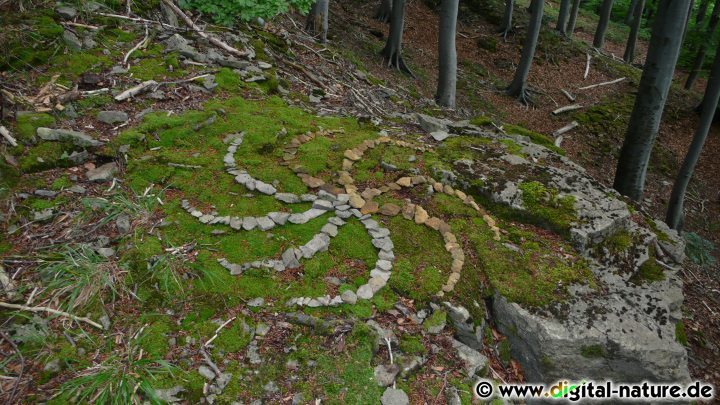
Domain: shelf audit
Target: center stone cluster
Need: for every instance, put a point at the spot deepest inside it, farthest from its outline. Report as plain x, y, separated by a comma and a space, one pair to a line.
345, 205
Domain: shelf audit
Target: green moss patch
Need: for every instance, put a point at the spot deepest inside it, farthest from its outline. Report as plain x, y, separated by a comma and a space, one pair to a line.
526, 270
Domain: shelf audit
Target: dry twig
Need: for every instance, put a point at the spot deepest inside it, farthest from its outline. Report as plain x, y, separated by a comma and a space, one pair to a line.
51, 311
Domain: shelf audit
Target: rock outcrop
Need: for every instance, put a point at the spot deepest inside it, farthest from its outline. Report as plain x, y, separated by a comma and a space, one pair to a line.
623, 326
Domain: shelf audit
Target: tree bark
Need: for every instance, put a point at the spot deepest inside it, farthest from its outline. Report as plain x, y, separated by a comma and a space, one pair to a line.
634, 30
384, 11
563, 16
630, 12
663, 52
674, 216
702, 47
573, 18
507, 18
317, 19
393, 48
447, 79
518, 87
605, 11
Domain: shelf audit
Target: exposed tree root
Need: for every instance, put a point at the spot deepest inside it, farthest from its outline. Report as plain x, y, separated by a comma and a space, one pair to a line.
524, 95
395, 59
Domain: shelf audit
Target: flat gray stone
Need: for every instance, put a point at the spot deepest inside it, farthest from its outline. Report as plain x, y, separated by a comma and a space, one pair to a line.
288, 198
365, 292
439, 135
323, 205
206, 372
265, 223
112, 117
265, 188
349, 297
80, 139
385, 374
330, 230
393, 396
290, 259
103, 173
249, 223
279, 218
473, 361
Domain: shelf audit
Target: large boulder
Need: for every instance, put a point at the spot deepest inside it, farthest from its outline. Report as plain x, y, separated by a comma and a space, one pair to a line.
621, 328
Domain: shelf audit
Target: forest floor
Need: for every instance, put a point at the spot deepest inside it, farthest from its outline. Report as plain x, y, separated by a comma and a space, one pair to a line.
167, 293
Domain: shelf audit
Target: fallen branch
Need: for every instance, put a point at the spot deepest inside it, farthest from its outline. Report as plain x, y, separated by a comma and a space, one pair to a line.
567, 108
567, 128
138, 46
212, 39
51, 311
309, 75
6, 134
183, 166
217, 331
602, 84
587, 66
137, 19
134, 91
568, 95
86, 26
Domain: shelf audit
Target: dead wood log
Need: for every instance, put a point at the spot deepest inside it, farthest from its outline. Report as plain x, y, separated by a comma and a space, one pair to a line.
134, 91
567, 128
567, 108
602, 84
6, 134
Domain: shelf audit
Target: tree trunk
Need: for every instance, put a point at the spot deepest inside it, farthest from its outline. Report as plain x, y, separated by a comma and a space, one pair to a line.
518, 87
710, 102
663, 51
573, 17
384, 11
447, 54
634, 30
393, 48
507, 18
605, 11
630, 12
702, 47
317, 19
563, 16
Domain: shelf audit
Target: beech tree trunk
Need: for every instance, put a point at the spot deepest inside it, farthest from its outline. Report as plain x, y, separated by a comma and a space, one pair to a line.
384, 11
563, 16
674, 217
518, 87
507, 18
630, 12
573, 18
702, 47
393, 48
634, 30
317, 19
663, 52
605, 11
447, 79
